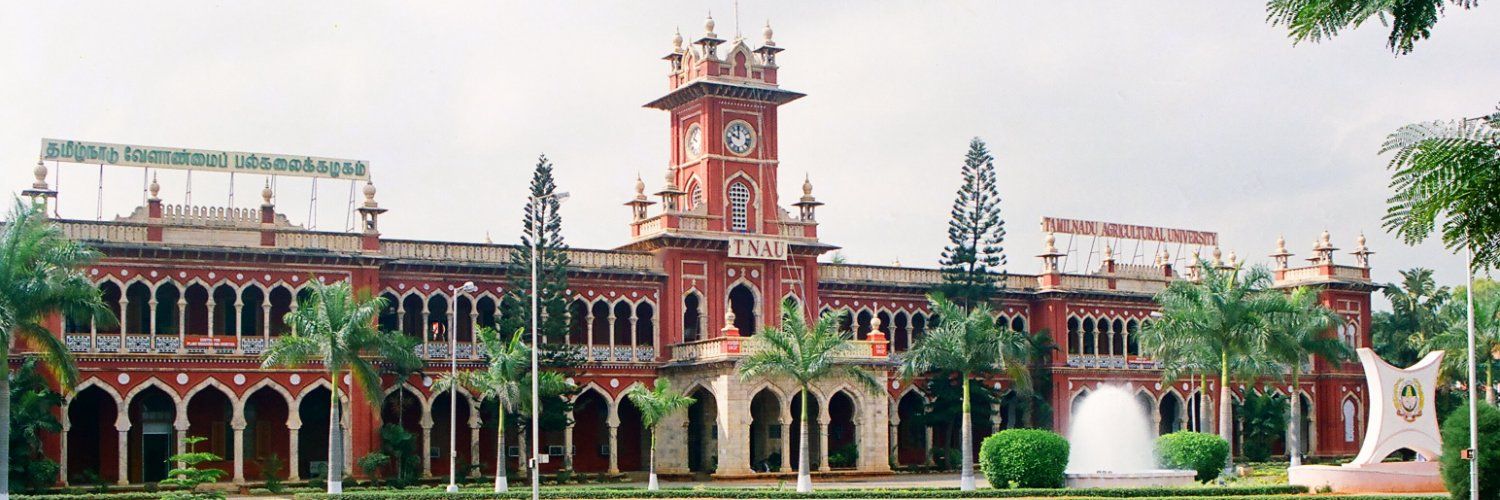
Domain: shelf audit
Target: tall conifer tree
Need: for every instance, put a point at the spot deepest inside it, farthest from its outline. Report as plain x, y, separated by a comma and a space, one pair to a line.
973, 261
552, 272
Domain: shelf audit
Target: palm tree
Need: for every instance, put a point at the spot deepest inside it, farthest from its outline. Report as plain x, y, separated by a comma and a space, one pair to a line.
1447, 170
40, 276
507, 378
1486, 339
1224, 312
805, 353
969, 344
1303, 331
337, 327
1415, 316
655, 404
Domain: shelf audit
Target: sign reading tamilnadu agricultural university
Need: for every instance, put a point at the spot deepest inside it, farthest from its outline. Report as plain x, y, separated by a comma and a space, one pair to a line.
742, 247
101, 153
1129, 231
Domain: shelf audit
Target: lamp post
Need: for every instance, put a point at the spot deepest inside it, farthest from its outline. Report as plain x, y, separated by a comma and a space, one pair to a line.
467, 287
539, 206
1473, 383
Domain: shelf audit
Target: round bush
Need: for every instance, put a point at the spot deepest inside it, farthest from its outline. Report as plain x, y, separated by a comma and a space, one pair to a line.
1455, 469
1198, 451
1031, 458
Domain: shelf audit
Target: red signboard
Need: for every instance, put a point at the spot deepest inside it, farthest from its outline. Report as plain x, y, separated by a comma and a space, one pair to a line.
207, 342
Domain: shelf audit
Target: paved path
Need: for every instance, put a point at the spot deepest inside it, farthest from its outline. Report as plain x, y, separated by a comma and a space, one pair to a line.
891, 481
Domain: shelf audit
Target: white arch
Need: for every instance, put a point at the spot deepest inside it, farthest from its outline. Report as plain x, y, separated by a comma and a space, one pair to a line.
94, 382
286, 395
234, 400
153, 382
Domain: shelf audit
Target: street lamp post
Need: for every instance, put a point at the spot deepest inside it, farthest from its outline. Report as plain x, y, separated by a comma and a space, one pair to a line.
467, 287
538, 207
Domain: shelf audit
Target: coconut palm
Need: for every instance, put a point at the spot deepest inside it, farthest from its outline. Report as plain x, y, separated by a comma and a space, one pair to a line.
337, 327
1455, 341
1415, 317
1303, 331
507, 378
969, 344
804, 352
655, 404
1448, 170
1224, 312
40, 275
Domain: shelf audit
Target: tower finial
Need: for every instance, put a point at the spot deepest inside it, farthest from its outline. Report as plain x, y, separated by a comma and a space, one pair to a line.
708, 25
768, 33
677, 40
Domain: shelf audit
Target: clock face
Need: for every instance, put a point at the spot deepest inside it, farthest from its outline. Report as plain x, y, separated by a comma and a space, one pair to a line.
739, 137
695, 140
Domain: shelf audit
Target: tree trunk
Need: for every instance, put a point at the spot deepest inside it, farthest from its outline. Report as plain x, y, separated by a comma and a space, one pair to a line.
502, 484
1294, 442
1489, 386
335, 442
5, 421
804, 478
651, 484
1226, 411
966, 473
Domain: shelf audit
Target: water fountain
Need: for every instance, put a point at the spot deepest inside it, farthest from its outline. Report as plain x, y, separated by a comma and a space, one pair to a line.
1111, 444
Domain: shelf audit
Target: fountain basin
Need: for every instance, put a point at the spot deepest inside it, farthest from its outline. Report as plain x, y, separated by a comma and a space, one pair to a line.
1137, 479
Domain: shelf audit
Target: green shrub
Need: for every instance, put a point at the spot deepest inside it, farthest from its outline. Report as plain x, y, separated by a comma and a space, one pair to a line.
741, 493
1198, 451
1455, 469
1031, 458
845, 456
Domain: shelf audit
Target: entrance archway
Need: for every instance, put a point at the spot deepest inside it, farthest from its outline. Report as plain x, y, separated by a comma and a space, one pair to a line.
266, 433
1169, 408
442, 418
742, 302
911, 440
93, 442
591, 432
312, 438
631, 439
703, 432
813, 431
843, 439
152, 435
210, 413
765, 432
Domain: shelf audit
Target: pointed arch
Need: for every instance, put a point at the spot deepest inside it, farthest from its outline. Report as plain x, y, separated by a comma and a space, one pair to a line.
207, 383
153, 382
94, 382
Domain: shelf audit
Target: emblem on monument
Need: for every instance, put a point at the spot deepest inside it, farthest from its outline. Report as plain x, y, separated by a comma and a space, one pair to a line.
1408, 399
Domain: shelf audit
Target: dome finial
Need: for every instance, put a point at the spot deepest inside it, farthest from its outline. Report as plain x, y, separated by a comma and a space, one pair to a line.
640, 185
370, 194
768, 33
677, 41
708, 25
41, 175
806, 185
155, 187
265, 193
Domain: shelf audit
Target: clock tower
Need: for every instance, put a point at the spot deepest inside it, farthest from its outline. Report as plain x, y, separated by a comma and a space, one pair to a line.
731, 252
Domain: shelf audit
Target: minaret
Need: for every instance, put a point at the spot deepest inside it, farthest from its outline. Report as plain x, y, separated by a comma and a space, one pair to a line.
40, 194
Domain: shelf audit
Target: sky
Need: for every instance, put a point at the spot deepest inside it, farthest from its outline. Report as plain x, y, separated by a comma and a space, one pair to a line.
1192, 115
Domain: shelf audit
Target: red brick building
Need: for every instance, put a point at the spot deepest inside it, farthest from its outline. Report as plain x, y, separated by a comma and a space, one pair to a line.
201, 291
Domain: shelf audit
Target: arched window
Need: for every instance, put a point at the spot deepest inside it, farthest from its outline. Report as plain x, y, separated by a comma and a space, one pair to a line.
739, 203
695, 196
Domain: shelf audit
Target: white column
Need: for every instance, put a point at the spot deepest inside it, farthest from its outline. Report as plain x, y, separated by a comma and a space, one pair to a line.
568, 447
93, 335
631, 327
612, 325
294, 428
474, 331
786, 443
211, 307
927, 447
588, 352
655, 335
181, 426
474, 436
122, 453
426, 336
181, 326
62, 442
124, 319
265, 323
239, 329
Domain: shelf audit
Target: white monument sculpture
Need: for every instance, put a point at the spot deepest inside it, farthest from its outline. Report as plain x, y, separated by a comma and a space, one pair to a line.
1403, 415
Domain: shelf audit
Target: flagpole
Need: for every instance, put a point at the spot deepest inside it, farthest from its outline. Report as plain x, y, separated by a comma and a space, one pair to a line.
1473, 385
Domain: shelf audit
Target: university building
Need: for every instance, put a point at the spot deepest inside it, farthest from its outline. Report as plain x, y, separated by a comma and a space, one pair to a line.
200, 292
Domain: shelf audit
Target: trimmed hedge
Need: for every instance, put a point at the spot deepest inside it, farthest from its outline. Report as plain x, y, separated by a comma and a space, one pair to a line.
1198, 451
1028, 458
133, 495
1236, 492
1455, 469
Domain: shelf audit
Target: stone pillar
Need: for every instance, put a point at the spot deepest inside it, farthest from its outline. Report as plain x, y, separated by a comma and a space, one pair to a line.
211, 307
294, 429
568, 446
239, 451
181, 426
122, 456
655, 335
427, 446
927, 447
474, 331
474, 437
265, 323
823, 421
124, 319
895, 434
239, 329
62, 445
786, 443
614, 448
525, 449
630, 326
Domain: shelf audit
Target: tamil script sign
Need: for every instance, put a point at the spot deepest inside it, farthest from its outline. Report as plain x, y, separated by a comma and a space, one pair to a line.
1129, 231
100, 153
741, 247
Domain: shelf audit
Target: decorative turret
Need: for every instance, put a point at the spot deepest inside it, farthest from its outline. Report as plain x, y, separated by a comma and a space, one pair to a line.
1109, 258
768, 50
370, 211
154, 189
807, 205
669, 193
639, 204
1361, 252
1281, 255
40, 193
709, 44
1164, 261
1323, 250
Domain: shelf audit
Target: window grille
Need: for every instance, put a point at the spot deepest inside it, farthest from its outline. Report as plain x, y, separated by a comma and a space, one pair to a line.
739, 201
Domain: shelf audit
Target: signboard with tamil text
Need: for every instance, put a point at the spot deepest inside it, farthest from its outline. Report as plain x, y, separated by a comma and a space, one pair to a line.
102, 153
1129, 231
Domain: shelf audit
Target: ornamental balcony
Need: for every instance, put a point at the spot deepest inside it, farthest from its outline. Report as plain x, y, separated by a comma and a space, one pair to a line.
731, 348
